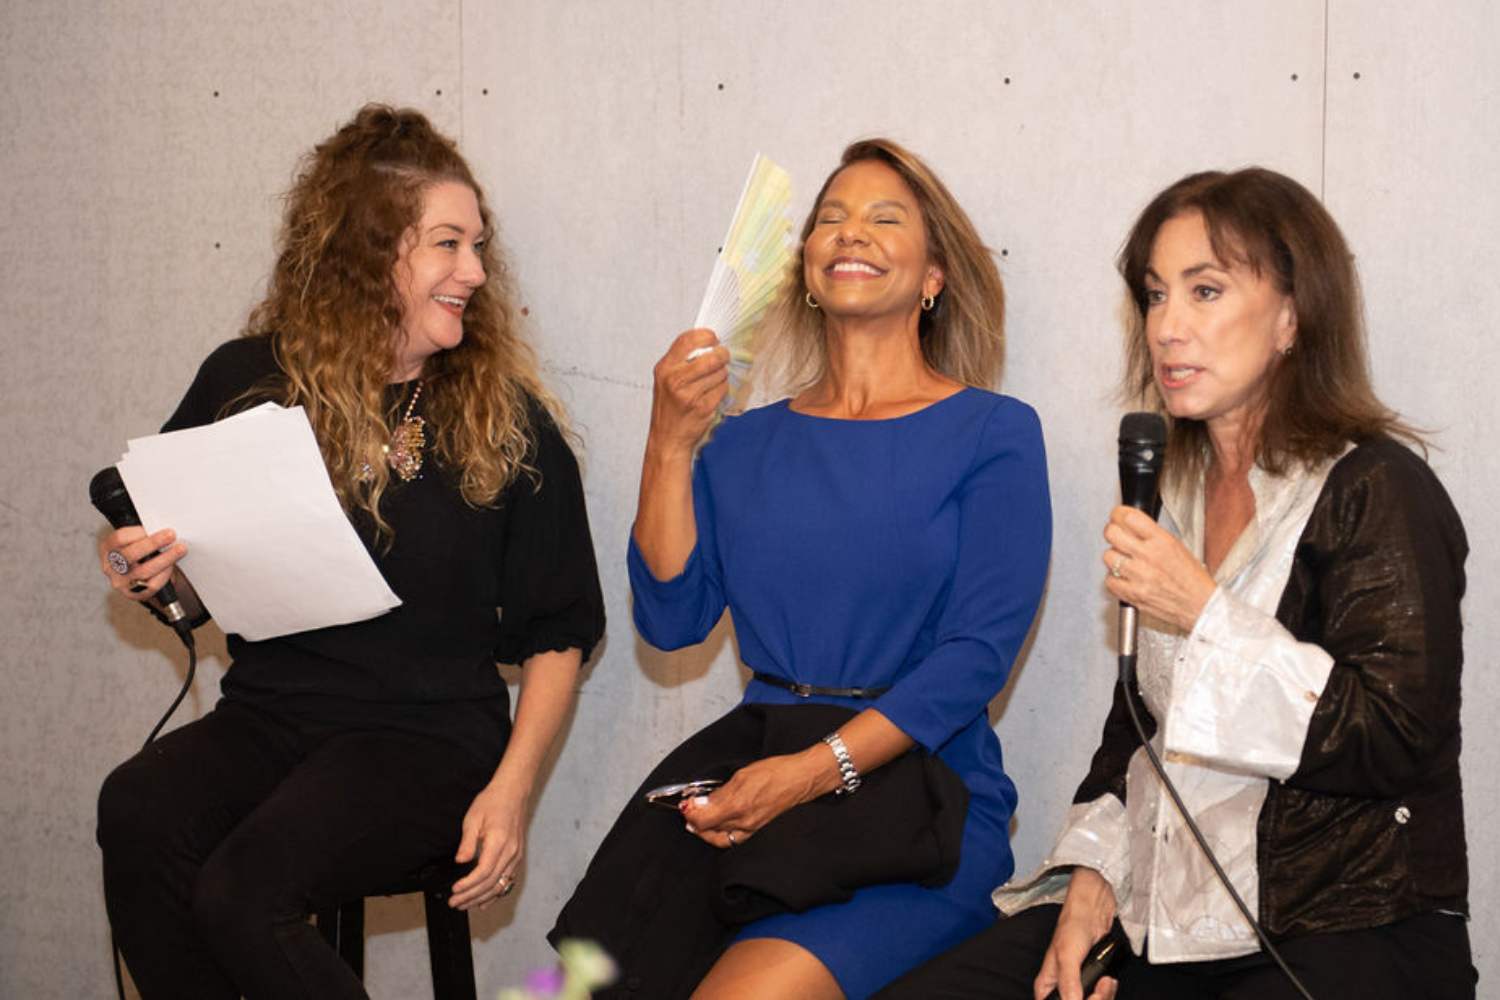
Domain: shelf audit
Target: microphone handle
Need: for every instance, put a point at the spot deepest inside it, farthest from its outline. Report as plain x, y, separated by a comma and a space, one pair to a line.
108, 495
1100, 959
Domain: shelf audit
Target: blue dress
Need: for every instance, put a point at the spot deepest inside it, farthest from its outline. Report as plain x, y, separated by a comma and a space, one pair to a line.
908, 553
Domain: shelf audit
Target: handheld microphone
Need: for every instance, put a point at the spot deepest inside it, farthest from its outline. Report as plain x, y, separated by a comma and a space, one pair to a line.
1143, 439
109, 496
1106, 953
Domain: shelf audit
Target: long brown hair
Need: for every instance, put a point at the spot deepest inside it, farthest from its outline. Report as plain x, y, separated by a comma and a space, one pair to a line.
1319, 396
333, 314
962, 336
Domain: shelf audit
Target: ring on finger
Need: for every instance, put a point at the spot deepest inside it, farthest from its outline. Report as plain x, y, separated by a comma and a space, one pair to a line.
732, 841
1118, 569
117, 561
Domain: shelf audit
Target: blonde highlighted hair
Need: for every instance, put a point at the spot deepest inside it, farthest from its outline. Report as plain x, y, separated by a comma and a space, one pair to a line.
962, 336
333, 314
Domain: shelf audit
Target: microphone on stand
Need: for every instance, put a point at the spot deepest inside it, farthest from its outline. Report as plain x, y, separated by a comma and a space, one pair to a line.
1143, 439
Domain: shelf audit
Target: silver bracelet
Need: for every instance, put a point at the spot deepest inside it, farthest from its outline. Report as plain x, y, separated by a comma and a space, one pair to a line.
847, 771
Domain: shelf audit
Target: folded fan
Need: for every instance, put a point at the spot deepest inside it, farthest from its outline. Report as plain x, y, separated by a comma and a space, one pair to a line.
751, 266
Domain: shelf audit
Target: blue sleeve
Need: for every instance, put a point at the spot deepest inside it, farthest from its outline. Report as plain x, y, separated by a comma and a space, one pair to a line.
670, 614
1005, 540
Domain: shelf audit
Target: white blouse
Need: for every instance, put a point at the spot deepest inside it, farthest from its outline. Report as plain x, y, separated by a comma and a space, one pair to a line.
1234, 699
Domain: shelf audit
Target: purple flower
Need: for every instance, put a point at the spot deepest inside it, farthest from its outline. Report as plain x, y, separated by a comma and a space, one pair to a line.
547, 982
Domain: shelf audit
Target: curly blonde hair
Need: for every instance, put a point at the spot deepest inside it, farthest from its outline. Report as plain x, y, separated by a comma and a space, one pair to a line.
962, 336
333, 314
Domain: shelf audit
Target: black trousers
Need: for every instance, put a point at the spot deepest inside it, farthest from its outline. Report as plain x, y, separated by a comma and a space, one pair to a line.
222, 836
1421, 958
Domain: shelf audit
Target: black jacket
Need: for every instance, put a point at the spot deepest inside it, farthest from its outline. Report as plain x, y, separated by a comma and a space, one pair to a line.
1370, 828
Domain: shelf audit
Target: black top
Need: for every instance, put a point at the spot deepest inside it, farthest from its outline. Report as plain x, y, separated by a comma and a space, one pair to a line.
478, 586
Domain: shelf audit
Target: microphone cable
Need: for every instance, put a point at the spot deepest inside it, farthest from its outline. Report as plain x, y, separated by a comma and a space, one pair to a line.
1127, 673
184, 631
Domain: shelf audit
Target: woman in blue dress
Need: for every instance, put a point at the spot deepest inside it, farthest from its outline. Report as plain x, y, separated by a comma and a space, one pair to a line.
881, 539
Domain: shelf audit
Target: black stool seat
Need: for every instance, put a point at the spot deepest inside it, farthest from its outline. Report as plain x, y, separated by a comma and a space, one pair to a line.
448, 948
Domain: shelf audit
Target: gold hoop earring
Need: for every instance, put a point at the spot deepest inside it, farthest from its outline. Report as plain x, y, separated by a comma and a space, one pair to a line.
928, 301
812, 303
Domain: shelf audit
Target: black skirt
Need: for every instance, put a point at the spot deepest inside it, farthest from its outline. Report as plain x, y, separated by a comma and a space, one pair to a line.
664, 904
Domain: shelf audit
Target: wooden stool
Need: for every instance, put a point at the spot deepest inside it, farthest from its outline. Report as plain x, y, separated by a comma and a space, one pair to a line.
448, 949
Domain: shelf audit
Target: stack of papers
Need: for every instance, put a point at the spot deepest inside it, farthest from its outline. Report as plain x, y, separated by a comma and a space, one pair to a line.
270, 551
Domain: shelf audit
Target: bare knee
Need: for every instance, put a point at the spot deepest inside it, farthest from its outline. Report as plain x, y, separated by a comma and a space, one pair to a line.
768, 969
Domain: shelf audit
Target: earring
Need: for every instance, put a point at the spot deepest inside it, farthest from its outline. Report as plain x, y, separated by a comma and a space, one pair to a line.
812, 303
928, 301
1288, 352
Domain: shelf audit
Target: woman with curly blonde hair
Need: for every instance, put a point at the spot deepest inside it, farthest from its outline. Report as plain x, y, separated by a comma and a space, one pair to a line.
346, 757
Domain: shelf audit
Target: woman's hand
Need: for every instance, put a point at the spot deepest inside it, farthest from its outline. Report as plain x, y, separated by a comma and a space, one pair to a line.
687, 389
147, 561
1152, 570
688, 386
758, 793
494, 837
1087, 913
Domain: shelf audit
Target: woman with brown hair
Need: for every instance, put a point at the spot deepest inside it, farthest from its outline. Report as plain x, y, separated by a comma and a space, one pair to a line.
342, 758
1299, 653
881, 540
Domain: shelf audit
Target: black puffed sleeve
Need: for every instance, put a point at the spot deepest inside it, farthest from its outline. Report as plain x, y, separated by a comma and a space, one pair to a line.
549, 582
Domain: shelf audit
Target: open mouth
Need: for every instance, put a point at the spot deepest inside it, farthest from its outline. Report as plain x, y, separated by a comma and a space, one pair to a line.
848, 267
1177, 376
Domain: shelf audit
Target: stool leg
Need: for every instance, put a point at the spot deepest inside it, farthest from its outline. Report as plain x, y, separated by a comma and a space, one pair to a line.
343, 927
448, 949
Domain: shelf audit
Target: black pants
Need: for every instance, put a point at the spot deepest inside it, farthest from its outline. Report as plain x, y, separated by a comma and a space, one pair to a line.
221, 837
1422, 958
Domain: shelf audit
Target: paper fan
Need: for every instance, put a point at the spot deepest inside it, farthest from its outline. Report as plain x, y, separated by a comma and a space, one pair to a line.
751, 265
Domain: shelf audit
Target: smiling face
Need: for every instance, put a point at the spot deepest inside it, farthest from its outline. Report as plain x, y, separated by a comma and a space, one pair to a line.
1215, 329
866, 256
438, 270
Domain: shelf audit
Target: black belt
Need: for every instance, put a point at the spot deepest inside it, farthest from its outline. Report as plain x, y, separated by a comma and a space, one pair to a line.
808, 690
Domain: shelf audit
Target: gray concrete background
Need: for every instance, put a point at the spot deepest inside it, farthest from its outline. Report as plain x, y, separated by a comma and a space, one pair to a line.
144, 145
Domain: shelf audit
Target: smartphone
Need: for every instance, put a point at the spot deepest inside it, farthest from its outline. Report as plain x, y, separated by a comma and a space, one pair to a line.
670, 796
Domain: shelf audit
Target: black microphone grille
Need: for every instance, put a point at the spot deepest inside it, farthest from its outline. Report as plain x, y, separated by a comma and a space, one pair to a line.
106, 485
1143, 428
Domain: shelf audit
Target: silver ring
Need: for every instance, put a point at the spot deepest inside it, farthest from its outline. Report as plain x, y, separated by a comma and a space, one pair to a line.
1117, 570
731, 838
117, 561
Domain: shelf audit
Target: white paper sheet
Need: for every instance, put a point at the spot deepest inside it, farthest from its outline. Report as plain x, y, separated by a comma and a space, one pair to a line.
270, 551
